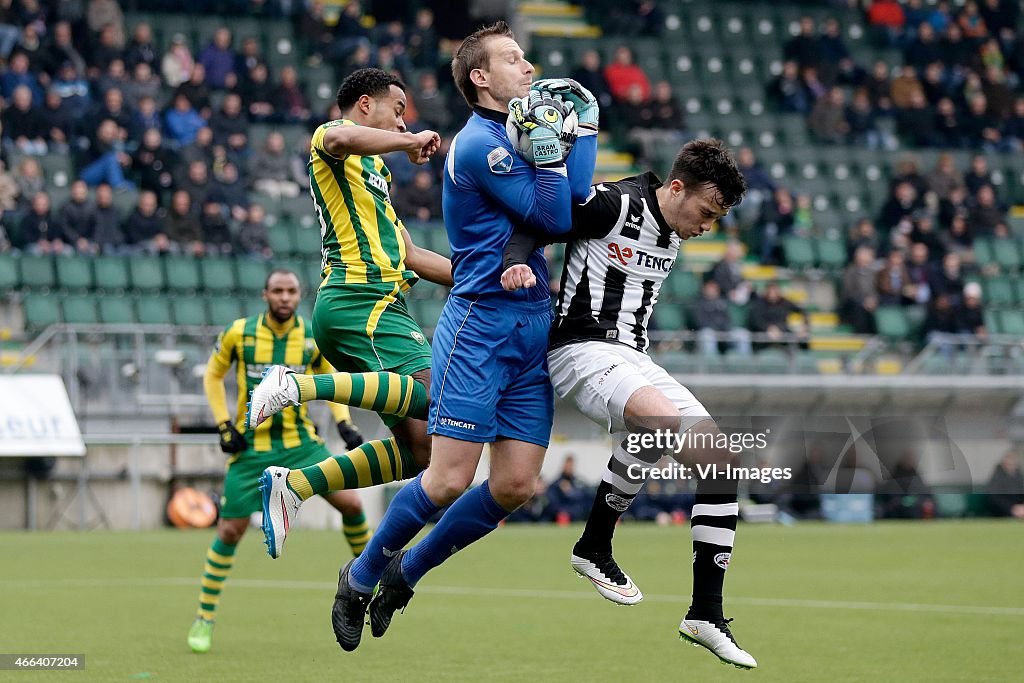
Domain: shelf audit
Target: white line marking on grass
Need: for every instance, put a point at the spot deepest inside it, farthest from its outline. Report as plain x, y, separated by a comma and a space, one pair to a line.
495, 592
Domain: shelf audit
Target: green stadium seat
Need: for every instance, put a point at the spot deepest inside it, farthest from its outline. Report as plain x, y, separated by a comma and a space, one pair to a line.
189, 311
1007, 254
37, 272
984, 253
182, 274
225, 309
309, 274
80, 309
681, 286
799, 252
117, 310
999, 291
307, 239
74, 273
154, 309
252, 274
738, 314
1012, 322
669, 317
1019, 289
41, 311
111, 273
773, 362
146, 273
282, 238
9, 275
891, 322
218, 274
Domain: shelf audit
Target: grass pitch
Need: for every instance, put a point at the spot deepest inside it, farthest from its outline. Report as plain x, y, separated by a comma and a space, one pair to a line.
937, 601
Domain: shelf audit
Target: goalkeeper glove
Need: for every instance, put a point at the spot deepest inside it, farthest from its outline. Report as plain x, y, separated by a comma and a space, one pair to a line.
582, 99
541, 117
349, 434
231, 440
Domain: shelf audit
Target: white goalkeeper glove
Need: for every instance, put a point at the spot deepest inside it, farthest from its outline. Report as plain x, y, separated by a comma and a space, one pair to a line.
541, 118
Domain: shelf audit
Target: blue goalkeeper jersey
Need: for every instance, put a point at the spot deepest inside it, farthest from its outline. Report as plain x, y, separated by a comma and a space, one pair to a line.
489, 191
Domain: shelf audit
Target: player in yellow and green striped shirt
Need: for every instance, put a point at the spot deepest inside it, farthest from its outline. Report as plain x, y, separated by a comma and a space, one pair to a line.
290, 438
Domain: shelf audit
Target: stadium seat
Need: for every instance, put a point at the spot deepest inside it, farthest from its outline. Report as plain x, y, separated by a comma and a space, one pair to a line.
892, 322
218, 275
154, 310
111, 273
41, 311
9, 273
117, 310
147, 273
282, 238
182, 274
984, 254
799, 252
80, 309
680, 287
225, 309
309, 274
1007, 254
1012, 322
189, 311
74, 273
669, 318
37, 272
252, 274
998, 291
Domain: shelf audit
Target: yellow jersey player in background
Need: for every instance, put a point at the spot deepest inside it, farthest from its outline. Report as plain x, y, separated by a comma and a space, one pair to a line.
276, 336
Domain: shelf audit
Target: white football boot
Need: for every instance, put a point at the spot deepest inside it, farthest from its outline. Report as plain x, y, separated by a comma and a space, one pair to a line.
280, 508
717, 637
274, 393
610, 581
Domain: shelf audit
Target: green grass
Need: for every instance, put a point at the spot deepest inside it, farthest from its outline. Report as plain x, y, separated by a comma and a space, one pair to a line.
941, 601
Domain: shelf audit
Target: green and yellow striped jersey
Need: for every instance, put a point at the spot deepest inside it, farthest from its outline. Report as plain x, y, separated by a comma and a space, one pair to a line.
362, 236
253, 346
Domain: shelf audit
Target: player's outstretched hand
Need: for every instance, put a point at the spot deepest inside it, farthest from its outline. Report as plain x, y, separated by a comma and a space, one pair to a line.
518, 277
571, 90
424, 145
231, 440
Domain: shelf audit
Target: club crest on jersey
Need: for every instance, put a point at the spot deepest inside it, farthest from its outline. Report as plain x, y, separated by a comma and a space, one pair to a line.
499, 160
417, 337
722, 560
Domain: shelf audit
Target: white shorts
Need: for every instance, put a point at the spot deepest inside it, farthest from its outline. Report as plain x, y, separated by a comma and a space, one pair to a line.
599, 377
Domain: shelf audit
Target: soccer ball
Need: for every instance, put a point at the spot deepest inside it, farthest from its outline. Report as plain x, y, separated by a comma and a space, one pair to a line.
520, 137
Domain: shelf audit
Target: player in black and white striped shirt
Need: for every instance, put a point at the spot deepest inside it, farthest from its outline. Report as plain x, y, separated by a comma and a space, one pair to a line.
624, 242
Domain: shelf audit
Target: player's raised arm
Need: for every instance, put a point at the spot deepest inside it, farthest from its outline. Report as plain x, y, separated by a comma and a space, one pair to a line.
341, 141
429, 265
581, 161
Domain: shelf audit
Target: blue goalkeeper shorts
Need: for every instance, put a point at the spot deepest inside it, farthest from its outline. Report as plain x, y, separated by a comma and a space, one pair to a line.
490, 371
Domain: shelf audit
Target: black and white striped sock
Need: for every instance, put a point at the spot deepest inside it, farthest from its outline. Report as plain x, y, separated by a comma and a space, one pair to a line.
713, 527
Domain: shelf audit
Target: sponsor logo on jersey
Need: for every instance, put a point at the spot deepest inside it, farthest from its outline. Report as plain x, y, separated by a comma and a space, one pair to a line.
627, 256
607, 372
499, 160
458, 424
617, 253
617, 502
634, 222
379, 184
722, 560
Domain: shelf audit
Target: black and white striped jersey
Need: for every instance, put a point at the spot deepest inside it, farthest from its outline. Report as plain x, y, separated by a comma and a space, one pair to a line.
621, 253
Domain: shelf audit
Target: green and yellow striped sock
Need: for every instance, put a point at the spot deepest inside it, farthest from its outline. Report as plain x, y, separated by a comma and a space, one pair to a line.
219, 559
357, 531
381, 392
375, 462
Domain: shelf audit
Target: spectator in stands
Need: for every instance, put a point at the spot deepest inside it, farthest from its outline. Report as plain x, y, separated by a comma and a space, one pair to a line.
141, 49
903, 493
289, 100
30, 179
253, 240
1005, 488
971, 315
769, 314
979, 129
776, 222
919, 271
978, 175
827, 120
257, 92
18, 73
888, 20
247, 59
218, 59
216, 231
153, 163
144, 83
270, 170
859, 296
728, 273
591, 76
229, 124
349, 33
196, 90
623, 73
30, 44
958, 238
934, 84
73, 90
898, 211
813, 84
803, 48
420, 200
1013, 129
230, 191
788, 92
879, 87
183, 227
183, 121
312, 25
833, 55
948, 132
940, 321
893, 281
177, 63
77, 220
566, 496
916, 122
114, 109
987, 217
760, 188
196, 183
925, 234
105, 51
945, 176
971, 22
666, 112
8, 28
108, 233
147, 117
862, 123
8, 190
434, 109
102, 14
948, 281
421, 40
61, 49
711, 318
105, 159
904, 86
144, 229
22, 124
38, 233
56, 122
923, 49
956, 52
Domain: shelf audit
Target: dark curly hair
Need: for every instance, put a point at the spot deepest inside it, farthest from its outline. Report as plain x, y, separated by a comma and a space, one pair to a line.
369, 82
708, 162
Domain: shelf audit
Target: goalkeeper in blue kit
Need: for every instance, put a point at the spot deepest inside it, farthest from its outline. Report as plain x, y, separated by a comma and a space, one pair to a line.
489, 348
